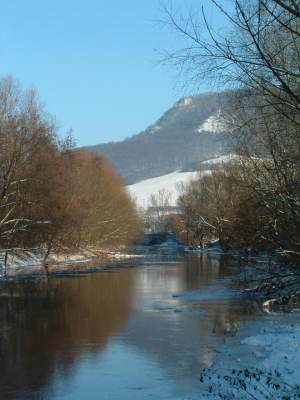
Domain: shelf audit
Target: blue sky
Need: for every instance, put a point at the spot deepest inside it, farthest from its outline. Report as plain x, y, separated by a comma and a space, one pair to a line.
91, 61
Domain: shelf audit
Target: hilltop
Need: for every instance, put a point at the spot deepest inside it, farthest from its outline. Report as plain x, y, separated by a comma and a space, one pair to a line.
190, 132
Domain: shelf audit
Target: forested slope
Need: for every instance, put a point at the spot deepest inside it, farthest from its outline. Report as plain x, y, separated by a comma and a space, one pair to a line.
180, 139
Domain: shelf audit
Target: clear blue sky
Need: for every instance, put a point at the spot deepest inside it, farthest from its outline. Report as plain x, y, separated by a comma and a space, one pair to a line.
91, 61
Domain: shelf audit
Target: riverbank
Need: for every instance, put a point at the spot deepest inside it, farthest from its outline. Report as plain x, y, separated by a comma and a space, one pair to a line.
28, 258
245, 351
262, 361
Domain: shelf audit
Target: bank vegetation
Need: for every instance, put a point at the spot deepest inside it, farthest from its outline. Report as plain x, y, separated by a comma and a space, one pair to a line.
51, 193
252, 202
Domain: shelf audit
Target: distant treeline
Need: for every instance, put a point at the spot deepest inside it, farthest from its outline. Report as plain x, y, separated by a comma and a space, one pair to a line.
50, 192
172, 143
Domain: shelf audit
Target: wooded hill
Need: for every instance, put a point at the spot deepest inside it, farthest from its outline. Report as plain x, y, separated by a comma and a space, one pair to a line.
191, 131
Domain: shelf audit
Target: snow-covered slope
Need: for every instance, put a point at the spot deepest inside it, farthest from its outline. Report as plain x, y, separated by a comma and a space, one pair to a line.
216, 123
190, 131
221, 160
141, 191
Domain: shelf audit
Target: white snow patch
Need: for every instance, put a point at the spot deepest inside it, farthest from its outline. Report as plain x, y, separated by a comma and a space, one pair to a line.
215, 124
273, 370
221, 160
154, 129
124, 255
258, 354
141, 191
22, 260
213, 246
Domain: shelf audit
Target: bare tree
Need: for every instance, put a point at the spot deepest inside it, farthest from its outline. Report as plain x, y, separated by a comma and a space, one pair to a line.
256, 55
257, 47
207, 208
26, 134
50, 192
92, 206
159, 209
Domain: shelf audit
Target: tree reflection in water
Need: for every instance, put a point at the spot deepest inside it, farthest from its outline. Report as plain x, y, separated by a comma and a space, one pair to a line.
47, 324
175, 312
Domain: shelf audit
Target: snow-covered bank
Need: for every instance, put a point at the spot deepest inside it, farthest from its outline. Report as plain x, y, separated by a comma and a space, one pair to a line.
261, 362
23, 258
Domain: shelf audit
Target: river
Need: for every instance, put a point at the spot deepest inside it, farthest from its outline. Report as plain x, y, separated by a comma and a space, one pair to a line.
134, 329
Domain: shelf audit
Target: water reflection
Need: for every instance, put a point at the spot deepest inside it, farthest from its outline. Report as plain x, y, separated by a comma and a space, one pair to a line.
156, 317
48, 324
177, 322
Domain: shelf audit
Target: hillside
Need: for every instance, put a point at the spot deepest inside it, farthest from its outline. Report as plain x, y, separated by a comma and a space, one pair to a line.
142, 190
188, 133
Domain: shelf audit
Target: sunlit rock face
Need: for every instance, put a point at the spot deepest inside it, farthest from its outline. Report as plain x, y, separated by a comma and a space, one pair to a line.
185, 101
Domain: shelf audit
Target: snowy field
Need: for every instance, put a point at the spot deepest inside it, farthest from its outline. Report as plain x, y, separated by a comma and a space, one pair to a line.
141, 191
221, 160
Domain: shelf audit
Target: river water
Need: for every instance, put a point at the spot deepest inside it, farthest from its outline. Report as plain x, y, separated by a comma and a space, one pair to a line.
135, 329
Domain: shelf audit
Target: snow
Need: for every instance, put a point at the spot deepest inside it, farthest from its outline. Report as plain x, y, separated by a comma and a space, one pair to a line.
265, 365
21, 261
215, 124
141, 191
221, 159
213, 246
